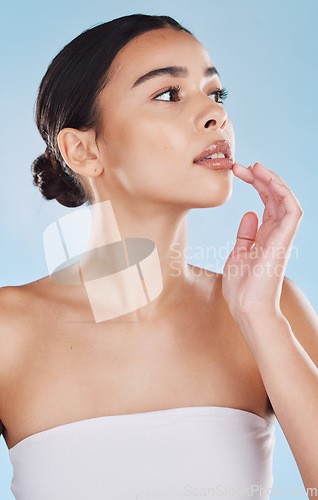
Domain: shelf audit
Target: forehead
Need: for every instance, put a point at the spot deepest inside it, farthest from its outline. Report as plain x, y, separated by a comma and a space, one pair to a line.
155, 49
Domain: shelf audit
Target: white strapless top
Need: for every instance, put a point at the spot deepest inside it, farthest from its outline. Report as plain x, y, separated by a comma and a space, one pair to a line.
206, 451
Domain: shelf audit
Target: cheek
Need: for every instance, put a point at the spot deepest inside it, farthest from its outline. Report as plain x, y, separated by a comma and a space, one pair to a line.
147, 159
145, 140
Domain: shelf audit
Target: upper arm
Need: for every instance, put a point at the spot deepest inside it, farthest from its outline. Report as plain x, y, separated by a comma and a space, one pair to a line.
11, 298
301, 316
3, 343
7, 297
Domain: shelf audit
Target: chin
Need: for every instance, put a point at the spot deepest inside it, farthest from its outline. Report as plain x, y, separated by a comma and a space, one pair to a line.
214, 193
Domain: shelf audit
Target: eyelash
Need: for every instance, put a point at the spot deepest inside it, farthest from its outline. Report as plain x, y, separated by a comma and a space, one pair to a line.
221, 94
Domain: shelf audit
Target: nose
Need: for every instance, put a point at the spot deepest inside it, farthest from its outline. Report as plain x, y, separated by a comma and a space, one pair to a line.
211, 115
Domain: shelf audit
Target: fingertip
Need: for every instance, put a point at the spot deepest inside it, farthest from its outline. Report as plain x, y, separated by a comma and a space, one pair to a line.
238, 164
259, 163
235, 165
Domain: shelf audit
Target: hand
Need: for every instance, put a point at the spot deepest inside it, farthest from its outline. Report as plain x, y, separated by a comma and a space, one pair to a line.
254, 272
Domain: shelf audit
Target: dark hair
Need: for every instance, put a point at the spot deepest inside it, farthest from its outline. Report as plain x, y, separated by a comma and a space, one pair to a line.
68, 94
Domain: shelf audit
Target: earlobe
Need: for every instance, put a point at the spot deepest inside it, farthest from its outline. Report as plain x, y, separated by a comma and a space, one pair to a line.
79, 151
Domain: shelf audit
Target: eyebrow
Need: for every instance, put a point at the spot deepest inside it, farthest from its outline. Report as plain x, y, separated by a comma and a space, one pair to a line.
174, 71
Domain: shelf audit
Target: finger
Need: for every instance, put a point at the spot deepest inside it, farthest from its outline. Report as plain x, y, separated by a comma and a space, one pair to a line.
287, 225
263, 173
273, 210
246, 174
246, 233
293, 210
256, 171
273, 203
259, 183
275, 207
288, 203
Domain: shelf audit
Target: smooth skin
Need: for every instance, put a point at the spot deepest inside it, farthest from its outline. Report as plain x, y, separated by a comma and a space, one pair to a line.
208, 339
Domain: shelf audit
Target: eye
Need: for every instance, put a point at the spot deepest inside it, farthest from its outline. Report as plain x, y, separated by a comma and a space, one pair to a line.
220, 95
173, 91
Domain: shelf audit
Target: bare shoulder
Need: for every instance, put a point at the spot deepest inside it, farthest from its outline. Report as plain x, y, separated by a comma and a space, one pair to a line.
17, 307
301, 316
20, 308
18, 302
294, 305
14, 306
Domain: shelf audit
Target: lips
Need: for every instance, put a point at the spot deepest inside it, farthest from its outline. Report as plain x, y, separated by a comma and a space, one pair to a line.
216, 163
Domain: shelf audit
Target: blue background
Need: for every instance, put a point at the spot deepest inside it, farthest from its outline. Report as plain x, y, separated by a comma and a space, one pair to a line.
266, 53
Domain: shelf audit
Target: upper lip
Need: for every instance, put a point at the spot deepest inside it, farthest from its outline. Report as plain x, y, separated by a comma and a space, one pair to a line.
217, 147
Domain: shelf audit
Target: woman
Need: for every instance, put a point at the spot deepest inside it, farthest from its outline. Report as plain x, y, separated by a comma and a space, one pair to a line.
177, 397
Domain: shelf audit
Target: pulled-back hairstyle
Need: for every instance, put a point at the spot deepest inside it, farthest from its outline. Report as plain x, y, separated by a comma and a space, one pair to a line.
68, 94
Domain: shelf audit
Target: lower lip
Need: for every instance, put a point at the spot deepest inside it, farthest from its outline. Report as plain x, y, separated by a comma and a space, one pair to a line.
216, 164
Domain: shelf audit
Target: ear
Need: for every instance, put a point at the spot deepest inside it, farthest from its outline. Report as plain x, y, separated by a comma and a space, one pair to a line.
80, 151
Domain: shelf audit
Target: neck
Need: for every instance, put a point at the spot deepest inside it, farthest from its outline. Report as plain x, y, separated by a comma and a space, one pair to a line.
159, 256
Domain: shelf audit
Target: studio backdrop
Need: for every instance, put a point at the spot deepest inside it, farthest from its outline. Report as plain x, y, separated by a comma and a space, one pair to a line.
265, 52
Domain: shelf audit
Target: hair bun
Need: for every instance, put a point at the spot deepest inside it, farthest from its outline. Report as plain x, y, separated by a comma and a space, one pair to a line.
56, 185
39, 169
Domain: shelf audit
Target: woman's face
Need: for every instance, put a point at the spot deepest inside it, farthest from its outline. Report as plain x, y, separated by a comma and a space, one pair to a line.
150, 135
